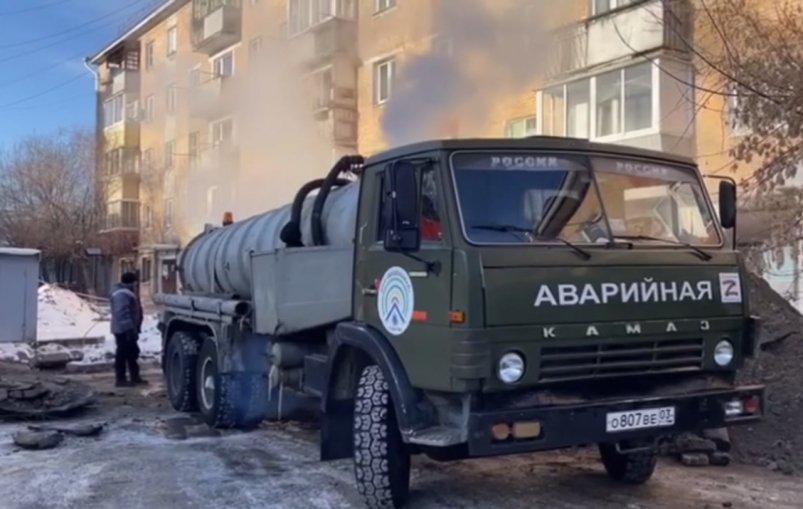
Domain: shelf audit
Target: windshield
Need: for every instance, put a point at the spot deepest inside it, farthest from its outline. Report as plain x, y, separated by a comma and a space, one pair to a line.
525, 198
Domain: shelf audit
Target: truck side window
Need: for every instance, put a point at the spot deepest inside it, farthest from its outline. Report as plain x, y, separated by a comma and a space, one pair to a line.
431, 229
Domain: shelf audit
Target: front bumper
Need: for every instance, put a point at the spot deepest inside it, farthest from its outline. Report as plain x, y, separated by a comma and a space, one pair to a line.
564, 426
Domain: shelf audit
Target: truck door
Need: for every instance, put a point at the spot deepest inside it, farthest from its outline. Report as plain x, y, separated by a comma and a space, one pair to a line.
407, 296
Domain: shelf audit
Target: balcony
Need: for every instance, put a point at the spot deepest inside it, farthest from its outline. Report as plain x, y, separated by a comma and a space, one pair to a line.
123, 134
339, 125
216, 25
223, 156
122, 163
211, 98
335, 98
125, 81
121, 215
621, 33
331, 38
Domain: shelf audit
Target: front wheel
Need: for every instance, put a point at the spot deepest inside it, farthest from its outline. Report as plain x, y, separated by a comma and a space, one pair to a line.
629, 467
381, 458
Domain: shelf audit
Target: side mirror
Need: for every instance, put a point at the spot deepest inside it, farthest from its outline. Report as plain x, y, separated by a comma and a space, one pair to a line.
401, 209
727, 204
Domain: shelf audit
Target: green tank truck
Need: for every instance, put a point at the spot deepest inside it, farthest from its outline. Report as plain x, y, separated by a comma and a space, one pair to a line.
472, 298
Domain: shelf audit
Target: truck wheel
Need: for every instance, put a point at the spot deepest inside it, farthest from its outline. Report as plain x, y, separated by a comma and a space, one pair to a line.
381, 459
229, 400
182, 356
631, 468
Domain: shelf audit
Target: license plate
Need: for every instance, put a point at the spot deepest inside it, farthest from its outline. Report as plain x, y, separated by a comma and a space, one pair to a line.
640, 419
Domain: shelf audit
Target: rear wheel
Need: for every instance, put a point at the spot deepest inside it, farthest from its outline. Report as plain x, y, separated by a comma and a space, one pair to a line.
181, 359
229, 400
630, 468
381, 458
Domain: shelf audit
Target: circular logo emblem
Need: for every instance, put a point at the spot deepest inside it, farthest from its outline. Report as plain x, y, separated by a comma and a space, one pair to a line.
395, 300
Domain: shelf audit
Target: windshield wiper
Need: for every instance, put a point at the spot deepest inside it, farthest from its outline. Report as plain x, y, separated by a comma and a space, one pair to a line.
705, 256
531, 236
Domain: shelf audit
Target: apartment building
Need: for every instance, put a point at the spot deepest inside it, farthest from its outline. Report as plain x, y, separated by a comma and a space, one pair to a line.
207, 106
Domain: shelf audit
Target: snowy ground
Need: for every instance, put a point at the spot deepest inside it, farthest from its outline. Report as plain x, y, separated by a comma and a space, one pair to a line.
63, 315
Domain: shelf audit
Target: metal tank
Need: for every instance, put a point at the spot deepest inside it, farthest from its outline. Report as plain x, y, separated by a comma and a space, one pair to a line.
219, 262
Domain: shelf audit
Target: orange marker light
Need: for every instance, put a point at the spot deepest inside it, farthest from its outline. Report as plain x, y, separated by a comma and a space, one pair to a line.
228, 218
420, 316
457, 317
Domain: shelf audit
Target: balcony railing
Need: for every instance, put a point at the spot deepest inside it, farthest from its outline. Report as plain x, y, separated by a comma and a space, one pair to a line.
122, 215
634, 29
209, 98
324, 41
216, 24
122, 161
125, 80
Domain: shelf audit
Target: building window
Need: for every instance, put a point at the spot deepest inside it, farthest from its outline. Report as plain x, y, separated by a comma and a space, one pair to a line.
147, 268
383, 5
554, 112
212, 202
149, 55
577, 105
520, 127
194, 147
609, 103
168, 213
150, 106
122, 214
302, 14
638, 97
384, 73
171, 98
324, 91
624, 100
172, 41
737, 127
147, 159
598, 7
222, 131
114, 110
623, 103
254, 46
223, 66
170, 154
147, 216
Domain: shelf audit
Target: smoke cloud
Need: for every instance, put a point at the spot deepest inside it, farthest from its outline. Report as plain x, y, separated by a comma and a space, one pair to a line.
277, 143
485, 51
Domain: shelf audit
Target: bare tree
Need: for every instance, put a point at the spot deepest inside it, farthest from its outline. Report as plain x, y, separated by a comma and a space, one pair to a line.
750, 52
50, 199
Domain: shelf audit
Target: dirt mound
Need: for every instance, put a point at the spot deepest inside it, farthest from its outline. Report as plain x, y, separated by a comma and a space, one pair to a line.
778, 440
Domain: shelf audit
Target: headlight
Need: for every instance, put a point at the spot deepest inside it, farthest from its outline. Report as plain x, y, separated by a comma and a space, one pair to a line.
511, 368
723, 353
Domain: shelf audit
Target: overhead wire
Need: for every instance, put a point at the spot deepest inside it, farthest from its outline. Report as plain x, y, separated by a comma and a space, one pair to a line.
117, 14
34, 8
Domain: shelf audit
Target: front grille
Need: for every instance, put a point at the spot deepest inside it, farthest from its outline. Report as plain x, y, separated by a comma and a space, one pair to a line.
604, 360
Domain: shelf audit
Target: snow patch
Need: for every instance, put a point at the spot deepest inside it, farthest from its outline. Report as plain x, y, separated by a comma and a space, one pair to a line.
150, 345
64, 315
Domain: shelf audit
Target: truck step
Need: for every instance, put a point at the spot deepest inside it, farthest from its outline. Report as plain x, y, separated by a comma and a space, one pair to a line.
438, 436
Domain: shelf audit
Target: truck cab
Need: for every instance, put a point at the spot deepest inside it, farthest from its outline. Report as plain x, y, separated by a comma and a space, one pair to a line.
506, 296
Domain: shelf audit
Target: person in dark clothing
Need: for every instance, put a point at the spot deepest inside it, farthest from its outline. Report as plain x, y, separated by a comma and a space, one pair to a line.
126, 326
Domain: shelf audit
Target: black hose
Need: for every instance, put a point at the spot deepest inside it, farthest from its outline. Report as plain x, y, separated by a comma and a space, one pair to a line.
344, 164
291, 233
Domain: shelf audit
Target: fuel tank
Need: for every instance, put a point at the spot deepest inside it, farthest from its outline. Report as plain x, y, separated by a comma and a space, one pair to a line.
218, 262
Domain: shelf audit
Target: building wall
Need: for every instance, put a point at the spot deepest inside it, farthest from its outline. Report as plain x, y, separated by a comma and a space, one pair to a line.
276, 151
